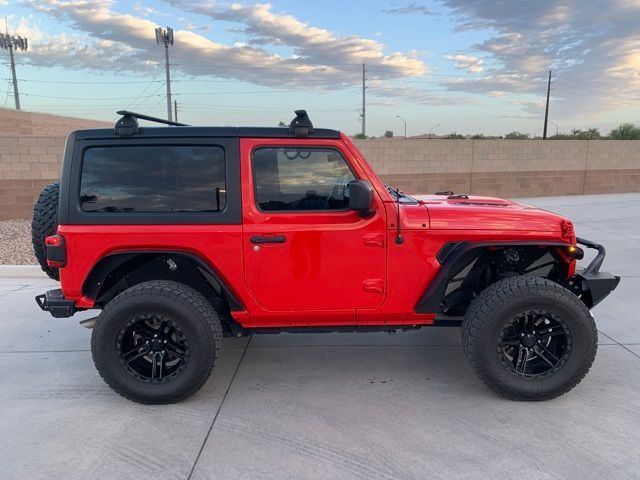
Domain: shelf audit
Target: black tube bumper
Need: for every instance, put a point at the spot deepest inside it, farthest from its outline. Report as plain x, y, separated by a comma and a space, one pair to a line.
54, 302
590, 284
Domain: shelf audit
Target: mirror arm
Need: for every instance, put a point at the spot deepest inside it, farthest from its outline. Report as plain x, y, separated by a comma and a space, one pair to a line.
368, 213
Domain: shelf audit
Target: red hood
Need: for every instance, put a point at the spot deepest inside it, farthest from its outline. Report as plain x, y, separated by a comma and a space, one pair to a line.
486, 213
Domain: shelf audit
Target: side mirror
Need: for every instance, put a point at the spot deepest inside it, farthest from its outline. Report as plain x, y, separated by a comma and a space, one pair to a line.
361, 197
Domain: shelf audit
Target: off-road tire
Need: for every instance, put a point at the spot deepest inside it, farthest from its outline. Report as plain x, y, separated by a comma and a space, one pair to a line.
43, 224
498, 304
185, 306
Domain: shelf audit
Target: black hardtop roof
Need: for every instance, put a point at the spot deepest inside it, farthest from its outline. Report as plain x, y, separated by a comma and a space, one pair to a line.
188, 131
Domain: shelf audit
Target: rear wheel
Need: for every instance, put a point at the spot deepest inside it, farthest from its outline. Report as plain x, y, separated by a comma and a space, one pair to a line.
157, 342
43, 224
528, 338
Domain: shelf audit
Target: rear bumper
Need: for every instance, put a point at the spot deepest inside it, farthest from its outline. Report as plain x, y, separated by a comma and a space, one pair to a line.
591, 284
54, 302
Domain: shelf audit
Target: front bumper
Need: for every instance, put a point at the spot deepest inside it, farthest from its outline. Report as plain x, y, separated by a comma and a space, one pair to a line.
590, 284
54, 302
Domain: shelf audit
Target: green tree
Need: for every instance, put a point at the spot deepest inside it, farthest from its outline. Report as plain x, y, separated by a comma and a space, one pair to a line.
626, 131
455, 135
593, 133
516, 136
388, 134
360, 136
478, 136
282, 124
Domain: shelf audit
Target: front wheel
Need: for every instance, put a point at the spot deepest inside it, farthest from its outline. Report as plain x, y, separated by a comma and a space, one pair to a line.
529, 338
157, 342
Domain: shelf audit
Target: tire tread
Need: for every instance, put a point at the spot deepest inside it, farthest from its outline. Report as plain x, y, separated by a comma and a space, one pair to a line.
199, 307
45, 223
488, 304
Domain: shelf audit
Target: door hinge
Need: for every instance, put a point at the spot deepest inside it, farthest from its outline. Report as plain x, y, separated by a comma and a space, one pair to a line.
375, 285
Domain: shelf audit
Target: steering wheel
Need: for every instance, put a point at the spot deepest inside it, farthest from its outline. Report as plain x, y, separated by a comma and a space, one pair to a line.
293, 154
310, 201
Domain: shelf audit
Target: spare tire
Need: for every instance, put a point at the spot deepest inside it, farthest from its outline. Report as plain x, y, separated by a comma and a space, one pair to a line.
44, 224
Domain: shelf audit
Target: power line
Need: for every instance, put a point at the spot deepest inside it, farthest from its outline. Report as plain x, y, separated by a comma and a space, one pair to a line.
30, 80
147, 87
593, 92
79, 98
284, 63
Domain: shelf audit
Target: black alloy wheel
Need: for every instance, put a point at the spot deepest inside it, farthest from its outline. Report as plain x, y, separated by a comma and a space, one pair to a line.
152, 348
157, 342
528, 338
535, 343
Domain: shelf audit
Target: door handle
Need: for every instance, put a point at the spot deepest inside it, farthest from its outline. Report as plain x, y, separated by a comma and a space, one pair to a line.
268, 239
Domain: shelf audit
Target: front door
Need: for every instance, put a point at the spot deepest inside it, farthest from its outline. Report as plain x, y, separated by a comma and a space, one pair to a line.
303, 248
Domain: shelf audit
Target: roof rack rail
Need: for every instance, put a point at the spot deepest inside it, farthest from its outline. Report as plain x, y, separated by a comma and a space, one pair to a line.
128, 124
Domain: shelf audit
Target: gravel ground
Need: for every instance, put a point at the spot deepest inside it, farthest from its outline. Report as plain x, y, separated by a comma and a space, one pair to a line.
15, 243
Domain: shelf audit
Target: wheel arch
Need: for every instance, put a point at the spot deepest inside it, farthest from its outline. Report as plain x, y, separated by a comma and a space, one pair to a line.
119, 270
455, 257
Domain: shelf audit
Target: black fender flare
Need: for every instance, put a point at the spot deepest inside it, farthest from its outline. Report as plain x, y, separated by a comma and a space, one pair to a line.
107, 264
454, 257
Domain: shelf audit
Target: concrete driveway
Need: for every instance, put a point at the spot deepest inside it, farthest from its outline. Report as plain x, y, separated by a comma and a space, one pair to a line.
365, 406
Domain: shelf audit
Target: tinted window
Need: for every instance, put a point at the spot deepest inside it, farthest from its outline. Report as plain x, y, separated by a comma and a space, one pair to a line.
301, 179
153, 179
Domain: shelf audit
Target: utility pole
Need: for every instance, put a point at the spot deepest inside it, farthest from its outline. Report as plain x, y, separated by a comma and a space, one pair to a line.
9, 42
165, 37
175, 110
546, 110
364, 105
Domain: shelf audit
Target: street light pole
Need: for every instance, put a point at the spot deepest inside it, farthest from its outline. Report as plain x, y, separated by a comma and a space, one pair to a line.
405, 125
9, 42
556, 125
165, 37
432, 128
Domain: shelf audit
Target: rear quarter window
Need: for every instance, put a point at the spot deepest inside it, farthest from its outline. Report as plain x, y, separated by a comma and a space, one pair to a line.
150, 179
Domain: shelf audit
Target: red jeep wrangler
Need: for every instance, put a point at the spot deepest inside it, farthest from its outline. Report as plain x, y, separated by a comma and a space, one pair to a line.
183, 235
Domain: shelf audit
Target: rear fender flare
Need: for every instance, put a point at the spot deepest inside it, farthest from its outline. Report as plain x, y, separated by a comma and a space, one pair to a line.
94, 282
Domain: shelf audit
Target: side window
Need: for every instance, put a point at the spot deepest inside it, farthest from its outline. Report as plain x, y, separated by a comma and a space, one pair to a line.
168, 178
298, 178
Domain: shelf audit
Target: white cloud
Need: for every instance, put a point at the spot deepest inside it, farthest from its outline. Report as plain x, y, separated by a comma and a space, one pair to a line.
592, 47
411, 9
315, 45
466, 62
320, 58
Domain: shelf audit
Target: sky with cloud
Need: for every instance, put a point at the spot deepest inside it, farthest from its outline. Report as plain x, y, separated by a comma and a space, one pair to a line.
469, 66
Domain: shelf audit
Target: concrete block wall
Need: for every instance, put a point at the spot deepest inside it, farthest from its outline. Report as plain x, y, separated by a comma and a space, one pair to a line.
506, 168
19, 122
27, 165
